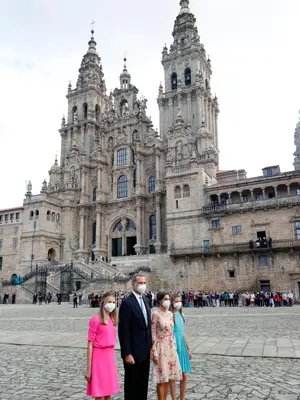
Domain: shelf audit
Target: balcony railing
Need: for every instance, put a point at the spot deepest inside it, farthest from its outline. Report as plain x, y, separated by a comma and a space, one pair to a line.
233, 248
250, 205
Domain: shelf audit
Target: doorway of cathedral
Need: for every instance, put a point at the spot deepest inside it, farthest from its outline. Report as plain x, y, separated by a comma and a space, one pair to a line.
116, 247
51, 255
131, 242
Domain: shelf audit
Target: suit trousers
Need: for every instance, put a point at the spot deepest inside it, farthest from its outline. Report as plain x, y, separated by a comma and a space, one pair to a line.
136, 380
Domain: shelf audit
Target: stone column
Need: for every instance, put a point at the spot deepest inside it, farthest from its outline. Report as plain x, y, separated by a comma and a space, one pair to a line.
252, 195
275, 191
157, 171
81, 233
216, 128
138, 246
158, 225
98, 232
82, 139
99, 182
288, 190
189, 106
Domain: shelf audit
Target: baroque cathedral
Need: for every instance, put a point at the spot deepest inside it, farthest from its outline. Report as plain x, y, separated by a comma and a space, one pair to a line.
125, 195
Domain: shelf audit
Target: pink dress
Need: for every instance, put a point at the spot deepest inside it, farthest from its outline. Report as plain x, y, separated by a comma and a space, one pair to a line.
104, 380
164, 347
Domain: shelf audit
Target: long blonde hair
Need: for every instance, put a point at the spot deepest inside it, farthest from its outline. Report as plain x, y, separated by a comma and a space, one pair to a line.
113, 315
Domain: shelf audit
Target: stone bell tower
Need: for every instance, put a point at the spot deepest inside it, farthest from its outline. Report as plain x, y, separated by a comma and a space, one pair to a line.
187, 80
297, 144
86, 104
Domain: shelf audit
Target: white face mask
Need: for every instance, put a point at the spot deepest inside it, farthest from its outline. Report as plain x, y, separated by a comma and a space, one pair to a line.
177, 305
141, 288
166, 304
109, 307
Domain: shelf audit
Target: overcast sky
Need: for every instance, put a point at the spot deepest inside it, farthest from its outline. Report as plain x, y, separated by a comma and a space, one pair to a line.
253, 45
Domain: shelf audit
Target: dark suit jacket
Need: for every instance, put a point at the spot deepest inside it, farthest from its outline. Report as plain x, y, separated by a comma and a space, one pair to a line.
134, 335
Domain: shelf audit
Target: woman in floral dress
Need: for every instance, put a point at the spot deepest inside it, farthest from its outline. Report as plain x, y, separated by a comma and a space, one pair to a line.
164, 354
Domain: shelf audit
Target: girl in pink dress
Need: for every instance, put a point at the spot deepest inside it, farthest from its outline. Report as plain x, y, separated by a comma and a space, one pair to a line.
102, 375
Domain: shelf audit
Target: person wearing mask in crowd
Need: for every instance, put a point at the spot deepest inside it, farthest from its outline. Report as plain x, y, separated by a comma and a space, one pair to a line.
183, 349
135, 340
166, 367
101, 375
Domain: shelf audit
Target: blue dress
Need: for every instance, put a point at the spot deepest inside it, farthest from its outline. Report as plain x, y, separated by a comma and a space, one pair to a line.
182, 349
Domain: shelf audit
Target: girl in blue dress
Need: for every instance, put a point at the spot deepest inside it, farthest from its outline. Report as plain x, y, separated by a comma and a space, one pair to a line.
183, 349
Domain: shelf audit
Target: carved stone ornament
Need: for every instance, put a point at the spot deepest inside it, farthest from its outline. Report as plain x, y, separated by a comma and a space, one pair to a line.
74, 242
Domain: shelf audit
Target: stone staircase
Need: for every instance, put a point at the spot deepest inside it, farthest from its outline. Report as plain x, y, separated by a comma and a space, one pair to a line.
98, 269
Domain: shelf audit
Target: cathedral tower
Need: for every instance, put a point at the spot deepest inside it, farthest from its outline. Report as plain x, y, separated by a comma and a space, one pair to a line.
86, 104
297, 144
187, 79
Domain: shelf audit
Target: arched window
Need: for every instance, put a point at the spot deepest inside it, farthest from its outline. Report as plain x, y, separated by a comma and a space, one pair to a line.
130, 225
118, 227
122, 157
177, 192
74, 112
48, 215
206, 84
94, 194
174, 81
188, 76
94, 233
97, 112
31, 215
58, 218
122, 187
37, 213
85, 111
124, 108
152, 184
152, 227
53, 216
186, 191
110, 143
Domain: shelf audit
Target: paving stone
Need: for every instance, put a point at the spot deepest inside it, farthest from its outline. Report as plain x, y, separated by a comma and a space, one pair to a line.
49, 361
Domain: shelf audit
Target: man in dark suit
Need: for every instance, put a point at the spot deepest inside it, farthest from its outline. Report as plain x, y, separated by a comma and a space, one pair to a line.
135, 340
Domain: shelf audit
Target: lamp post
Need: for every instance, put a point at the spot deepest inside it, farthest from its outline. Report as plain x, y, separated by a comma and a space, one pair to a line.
36, 274
34, 229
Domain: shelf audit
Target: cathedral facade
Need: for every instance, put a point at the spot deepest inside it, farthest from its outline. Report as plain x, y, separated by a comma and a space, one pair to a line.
124, 195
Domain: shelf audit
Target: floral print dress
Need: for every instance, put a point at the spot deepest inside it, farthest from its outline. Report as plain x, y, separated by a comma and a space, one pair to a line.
164, 347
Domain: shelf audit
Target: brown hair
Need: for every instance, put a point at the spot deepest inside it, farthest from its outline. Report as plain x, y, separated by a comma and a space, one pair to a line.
113, 315
160, 295
172, 309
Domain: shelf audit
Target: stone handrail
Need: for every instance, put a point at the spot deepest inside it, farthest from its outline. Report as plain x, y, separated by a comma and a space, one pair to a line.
250, 205
232, 248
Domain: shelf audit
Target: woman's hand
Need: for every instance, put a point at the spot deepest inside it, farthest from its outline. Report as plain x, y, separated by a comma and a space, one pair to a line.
155, 360
88, 376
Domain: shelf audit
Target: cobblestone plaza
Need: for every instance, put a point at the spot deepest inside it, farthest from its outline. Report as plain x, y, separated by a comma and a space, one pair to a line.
238, 353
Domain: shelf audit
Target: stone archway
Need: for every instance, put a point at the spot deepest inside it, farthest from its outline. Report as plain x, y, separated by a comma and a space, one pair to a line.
123, 238
51, 255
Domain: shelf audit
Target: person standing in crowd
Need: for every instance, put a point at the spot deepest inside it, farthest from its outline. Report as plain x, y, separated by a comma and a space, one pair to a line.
164, 355
75, 300
101, 374
135, 340
13, 298
183, 349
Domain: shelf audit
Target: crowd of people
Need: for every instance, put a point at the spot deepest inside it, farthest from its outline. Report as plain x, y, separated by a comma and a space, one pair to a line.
4, 298
198, 299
